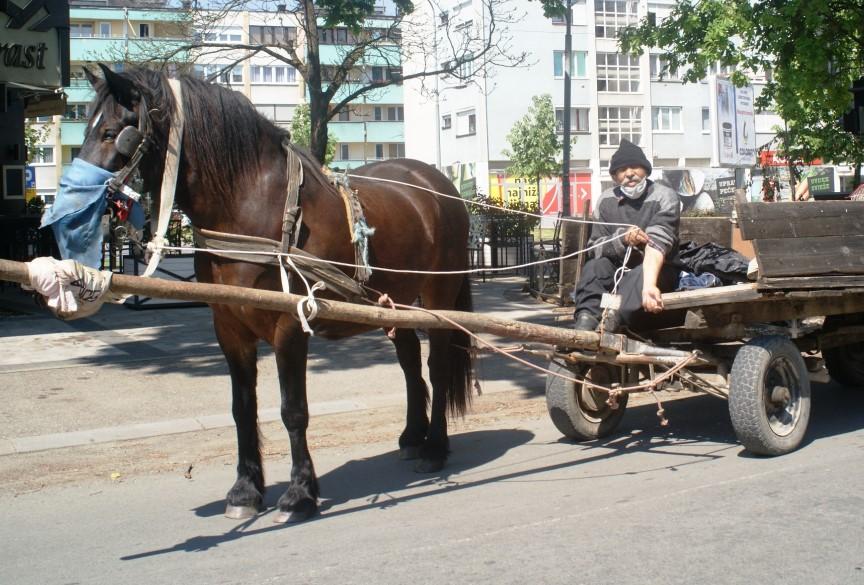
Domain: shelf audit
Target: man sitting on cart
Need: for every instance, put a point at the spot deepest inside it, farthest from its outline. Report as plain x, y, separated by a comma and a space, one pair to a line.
654, 210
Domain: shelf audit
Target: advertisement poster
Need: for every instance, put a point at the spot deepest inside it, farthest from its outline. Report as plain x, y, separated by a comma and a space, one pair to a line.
701, 191
734, 120
512, 191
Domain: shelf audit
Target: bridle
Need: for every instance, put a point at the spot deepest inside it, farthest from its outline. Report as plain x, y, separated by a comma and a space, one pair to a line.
134, 143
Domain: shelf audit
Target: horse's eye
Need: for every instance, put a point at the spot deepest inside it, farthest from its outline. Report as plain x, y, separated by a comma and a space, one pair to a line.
109, 135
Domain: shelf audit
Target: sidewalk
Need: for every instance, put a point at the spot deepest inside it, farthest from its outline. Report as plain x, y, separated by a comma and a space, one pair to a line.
113, 376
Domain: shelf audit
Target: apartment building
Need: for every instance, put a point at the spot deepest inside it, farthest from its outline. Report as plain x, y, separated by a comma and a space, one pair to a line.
372, 129
463, 129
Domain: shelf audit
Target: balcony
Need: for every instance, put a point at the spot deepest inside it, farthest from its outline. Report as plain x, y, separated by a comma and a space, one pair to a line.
114, 49
72, 132
392, 94
382, 132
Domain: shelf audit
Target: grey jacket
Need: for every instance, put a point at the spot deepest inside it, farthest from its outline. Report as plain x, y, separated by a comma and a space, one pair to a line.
657, 213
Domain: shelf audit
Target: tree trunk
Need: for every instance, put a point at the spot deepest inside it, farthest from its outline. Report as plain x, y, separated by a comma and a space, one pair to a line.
314, 83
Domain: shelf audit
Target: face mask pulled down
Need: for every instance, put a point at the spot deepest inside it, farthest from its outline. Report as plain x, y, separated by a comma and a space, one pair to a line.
636, 191
76, 216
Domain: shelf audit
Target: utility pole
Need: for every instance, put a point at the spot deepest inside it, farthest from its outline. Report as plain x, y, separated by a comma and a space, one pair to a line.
568, 55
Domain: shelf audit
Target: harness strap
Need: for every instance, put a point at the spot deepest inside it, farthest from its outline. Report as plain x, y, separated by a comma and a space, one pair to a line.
357, 227
169, 181
292, 216
259, 250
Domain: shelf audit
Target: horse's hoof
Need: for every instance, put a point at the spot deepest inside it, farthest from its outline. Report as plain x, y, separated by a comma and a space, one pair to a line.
240, 512
409, 453
302, 511
429, 466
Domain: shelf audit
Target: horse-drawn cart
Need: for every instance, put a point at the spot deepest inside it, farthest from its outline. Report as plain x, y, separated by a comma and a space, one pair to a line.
757, 344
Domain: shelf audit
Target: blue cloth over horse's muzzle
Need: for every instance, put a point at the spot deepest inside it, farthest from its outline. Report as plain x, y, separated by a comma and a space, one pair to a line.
76, 216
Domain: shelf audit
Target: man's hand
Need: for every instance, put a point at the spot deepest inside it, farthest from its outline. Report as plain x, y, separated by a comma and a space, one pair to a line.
635, 237
652, 301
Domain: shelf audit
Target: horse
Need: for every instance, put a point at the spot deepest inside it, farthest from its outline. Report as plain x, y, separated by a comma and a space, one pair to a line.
232, 178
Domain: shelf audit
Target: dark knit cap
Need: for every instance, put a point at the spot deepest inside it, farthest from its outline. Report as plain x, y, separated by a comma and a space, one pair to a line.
628, 155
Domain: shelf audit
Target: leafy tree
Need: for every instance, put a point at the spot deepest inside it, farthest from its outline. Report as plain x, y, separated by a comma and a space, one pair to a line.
811, 52
300, 133
434, 44
534, 142
34, 135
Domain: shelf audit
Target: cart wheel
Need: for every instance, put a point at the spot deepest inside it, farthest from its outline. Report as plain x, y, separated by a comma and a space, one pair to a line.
580, 413
769, 395
846, 362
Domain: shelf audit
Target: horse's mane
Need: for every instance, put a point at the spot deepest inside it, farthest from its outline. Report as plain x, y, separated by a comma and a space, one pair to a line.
223, 130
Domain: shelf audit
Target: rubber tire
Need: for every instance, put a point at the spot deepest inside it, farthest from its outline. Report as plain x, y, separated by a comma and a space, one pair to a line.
569, 415
845, 363
747, 394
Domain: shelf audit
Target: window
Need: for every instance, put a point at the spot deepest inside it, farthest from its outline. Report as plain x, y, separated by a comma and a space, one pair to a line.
578, 120
446, 122
219, 72
619, 122
379, 151
466, 123
143, 30
395, 113
466, 66
396, 150
225, 34
336, 36
612, 15
577, 63
617, 73
377, 113
666, 118
377, 74
660, 69
74, 152
81, 30
42, 155
44, 119
344, 152
272, 35
276, 112
273, 74
75, 112
577, 14
105, 30
706, 120
344, 116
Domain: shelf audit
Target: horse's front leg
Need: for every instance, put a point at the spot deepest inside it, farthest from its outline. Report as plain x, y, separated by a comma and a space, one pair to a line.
300, 500
246, 497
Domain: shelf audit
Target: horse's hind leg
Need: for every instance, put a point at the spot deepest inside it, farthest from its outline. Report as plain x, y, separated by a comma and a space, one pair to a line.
246, 497
434, 452
300, 500
416, 421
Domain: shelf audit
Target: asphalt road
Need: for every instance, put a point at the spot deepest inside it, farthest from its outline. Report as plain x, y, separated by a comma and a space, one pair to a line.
678, 504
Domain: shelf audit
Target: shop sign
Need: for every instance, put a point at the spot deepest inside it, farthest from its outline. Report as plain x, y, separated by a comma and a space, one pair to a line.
35, 42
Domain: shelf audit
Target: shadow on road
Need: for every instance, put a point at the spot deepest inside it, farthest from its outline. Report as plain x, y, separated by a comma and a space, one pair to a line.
699, 432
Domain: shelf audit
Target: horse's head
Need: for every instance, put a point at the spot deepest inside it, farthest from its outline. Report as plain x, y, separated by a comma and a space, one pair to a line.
125, 134
126, 122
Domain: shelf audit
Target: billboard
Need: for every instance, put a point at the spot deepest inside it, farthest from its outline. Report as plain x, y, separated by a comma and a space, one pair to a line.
733, 118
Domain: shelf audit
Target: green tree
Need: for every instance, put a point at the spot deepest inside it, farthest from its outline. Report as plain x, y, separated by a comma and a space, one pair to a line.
363, 53
535, 147
34, 135
811, 51
300, 133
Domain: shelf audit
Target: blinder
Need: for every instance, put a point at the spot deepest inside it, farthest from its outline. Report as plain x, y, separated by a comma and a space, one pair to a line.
128, 141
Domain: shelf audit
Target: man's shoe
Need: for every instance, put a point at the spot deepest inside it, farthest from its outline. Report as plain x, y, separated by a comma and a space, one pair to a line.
586, 322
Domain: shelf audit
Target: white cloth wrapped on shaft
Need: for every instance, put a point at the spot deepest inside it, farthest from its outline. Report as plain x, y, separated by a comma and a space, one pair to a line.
71, 290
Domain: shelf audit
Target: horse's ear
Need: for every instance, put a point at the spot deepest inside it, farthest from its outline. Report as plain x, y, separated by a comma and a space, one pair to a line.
91, 77
123, 90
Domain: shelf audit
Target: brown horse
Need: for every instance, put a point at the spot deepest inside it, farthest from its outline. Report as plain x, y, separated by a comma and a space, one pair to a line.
233, 178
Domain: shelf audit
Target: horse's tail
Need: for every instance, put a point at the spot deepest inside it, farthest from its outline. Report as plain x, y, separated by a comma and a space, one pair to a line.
461, 357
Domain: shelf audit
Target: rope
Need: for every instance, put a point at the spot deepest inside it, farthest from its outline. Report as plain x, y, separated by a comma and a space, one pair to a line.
308, 301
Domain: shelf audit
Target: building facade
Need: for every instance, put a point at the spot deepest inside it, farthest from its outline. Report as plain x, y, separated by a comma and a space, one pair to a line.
371, 129
463, 127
